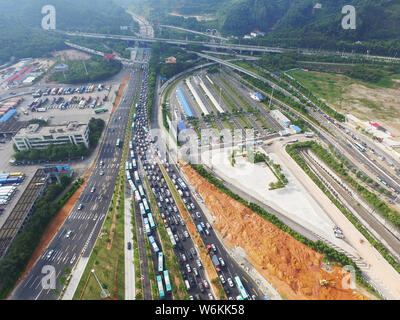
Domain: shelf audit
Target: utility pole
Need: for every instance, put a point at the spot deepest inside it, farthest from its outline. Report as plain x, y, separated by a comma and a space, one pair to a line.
270, 100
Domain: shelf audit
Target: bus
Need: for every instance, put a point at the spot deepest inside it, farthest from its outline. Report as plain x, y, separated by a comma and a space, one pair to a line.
100, 111
145, 129
171, 236
134, 117
127, 165
182, 184
146, 226
160, 287
146, 205
142, 209
167, 282
160, 262
132, 185
141, 191
118, 144
133, 126
132, 155
151, 220
130, 145
153, 244
242, 291
136, 176
362, 149
134, 165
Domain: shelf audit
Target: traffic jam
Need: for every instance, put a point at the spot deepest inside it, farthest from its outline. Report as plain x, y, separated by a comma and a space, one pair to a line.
142, 160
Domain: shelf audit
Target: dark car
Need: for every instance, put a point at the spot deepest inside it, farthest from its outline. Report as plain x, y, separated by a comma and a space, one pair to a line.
201, 287
129, 246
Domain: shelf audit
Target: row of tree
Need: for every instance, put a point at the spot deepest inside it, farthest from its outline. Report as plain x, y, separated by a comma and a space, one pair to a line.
95, 69
292, 150
45, 209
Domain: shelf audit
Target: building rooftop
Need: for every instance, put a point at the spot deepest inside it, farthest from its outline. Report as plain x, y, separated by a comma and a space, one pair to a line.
73, 127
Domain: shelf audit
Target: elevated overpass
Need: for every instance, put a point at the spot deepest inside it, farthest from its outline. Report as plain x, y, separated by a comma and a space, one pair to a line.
192, 31
225, 46
177, 42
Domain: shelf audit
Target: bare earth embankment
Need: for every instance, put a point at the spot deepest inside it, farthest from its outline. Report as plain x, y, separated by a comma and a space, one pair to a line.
291, 267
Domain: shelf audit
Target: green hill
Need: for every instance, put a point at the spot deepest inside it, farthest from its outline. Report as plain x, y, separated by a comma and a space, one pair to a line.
291, 23
22, 35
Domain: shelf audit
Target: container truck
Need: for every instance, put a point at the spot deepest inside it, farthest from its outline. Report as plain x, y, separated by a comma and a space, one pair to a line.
41, 109
215, 260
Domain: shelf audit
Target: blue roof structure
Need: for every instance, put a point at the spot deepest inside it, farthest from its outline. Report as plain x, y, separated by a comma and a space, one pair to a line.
296, 128
184, 103
259, 95
181, 126
8, 115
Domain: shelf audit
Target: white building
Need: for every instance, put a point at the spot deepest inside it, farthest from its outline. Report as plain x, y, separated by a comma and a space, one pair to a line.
36, 137
280, 118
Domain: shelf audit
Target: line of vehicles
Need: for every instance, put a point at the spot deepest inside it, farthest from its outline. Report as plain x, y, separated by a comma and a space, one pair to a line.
69, 90
38, 105
142, 156
178, 234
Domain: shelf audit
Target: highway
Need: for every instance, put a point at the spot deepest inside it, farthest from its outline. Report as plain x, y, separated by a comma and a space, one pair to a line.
85, 223
195, 32
231, 269
227, 46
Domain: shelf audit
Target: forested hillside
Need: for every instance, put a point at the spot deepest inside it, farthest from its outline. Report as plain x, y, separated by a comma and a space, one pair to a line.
22, 35
291, 23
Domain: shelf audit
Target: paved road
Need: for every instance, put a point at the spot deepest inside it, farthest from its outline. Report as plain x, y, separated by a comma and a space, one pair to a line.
84, 224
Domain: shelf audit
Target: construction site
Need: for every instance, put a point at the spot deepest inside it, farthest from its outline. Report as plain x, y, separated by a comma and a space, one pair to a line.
295, 270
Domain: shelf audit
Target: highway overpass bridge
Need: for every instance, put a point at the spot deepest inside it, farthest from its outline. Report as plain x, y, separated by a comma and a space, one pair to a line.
225, 46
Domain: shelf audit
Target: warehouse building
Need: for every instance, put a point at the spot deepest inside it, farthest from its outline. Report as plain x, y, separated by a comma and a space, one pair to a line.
280, 118
36, 137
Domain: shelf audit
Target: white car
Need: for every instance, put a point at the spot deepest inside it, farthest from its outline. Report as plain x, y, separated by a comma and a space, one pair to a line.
188, 268
68, 234
49, 254
222, 278
230, 282
186, 234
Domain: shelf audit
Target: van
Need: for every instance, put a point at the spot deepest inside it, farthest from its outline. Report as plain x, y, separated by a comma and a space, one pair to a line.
187, 285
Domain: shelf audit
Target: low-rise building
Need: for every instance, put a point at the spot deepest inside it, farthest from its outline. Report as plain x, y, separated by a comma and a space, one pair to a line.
280, 118
37, 137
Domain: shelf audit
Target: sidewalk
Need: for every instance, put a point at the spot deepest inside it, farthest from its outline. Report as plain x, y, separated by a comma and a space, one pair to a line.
76, 276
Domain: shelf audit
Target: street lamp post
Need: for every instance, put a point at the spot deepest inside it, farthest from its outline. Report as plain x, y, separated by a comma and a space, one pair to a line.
104, 292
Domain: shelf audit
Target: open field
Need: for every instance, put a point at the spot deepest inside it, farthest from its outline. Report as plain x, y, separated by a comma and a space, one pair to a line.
379, 102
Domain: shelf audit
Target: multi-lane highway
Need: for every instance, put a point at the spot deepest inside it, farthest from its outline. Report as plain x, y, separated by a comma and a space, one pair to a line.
78, 234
